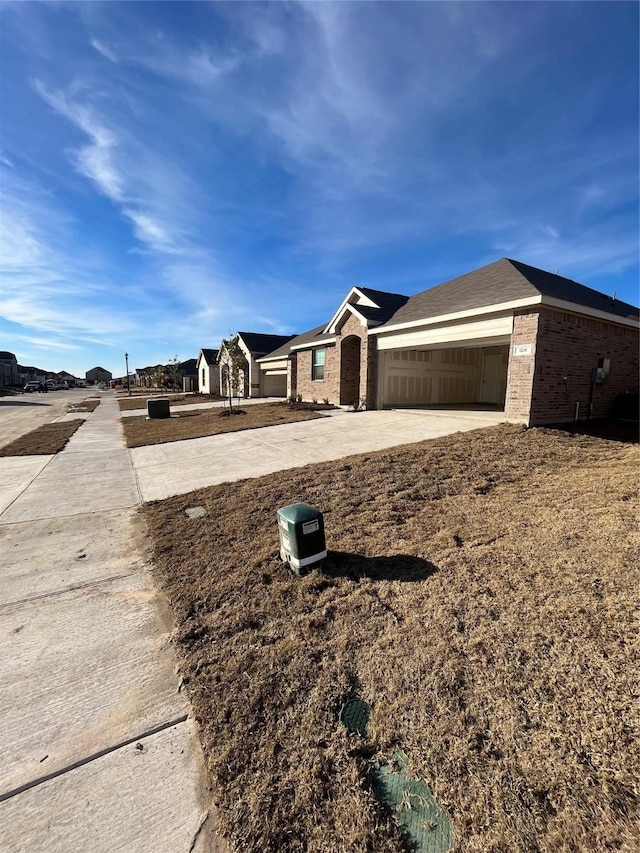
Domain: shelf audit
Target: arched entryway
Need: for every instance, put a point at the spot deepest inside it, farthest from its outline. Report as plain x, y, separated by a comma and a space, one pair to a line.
350, 370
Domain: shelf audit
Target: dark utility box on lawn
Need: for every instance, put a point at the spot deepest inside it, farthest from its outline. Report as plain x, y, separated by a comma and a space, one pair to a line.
301, 529
158, 407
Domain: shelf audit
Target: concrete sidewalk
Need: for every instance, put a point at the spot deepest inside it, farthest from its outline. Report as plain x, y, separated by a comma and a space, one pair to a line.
182, 466
98, 751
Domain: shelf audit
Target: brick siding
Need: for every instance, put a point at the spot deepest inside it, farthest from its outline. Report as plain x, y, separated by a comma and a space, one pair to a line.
521, 368
568, 347
341, 369
318, 389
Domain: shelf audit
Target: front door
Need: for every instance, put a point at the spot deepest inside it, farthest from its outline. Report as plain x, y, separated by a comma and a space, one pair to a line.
490, 391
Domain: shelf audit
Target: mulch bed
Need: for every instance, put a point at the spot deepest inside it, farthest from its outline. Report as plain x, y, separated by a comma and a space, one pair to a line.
48, 438
139, 431
479, 594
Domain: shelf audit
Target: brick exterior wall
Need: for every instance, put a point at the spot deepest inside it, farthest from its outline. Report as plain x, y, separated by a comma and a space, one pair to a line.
544, 386
568, 347
337, 374
520, 372
319, 389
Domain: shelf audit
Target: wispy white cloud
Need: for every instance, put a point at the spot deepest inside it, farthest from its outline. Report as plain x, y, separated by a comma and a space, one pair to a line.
97, 161
106, 51
47, 343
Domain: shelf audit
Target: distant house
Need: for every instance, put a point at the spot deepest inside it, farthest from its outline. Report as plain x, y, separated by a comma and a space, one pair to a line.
537, 346
69, 378
8, 370
207, 371
143, 376
98, 374
256, 383
187, 372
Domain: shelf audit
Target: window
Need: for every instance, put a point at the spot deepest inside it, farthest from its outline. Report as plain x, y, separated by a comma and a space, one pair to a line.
203, 375
317, 369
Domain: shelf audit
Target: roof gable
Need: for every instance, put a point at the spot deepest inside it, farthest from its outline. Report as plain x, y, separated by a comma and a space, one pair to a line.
373, 307
209, 355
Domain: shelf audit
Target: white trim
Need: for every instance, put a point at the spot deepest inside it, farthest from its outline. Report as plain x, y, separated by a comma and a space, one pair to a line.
348, 302
313, 344
272, 358
504, 306
460, 315
552, 302
474, 332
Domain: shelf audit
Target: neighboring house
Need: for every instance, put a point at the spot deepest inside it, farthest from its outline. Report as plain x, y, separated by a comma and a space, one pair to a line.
208, 372
144, 376
69, 378
9, 374
98, 374
508, 335
254, 381
188, 373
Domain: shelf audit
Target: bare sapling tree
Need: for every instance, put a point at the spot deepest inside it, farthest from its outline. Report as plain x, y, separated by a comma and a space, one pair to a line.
234, 369
174, 374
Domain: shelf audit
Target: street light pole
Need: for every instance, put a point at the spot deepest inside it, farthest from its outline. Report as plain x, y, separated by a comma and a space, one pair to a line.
126, 361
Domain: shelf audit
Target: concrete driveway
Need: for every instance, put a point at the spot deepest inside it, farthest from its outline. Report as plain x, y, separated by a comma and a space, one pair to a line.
179, 467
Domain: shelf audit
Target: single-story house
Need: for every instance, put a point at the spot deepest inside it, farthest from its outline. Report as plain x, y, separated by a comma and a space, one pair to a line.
254, 381
98, 374
208, 372
538, 346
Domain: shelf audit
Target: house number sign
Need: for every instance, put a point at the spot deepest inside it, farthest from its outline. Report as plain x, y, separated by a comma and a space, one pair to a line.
522, 349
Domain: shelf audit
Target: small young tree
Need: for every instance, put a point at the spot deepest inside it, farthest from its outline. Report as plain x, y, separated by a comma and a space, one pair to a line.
159, 376
174, 374
234, 367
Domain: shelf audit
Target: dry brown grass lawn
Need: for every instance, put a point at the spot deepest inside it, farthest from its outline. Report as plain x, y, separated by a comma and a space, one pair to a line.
479, 594
46, 439
129, 404
139, 431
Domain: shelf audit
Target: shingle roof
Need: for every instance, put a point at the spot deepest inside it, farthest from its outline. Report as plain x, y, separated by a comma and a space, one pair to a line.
502, 281
189, 366
313, 336
388, 304
568, 290
210, 355
259, 344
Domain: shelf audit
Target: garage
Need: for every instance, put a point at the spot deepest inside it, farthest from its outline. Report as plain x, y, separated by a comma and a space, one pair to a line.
444, 364
274, 383
447, 376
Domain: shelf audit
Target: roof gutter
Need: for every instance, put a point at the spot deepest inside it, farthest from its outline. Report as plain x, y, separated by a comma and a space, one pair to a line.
552, 302
459, 315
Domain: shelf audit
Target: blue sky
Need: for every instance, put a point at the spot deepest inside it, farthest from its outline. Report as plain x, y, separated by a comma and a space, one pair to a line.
171, 172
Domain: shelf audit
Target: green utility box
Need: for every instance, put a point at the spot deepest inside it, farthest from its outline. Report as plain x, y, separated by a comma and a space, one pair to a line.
158, 407
302, 540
